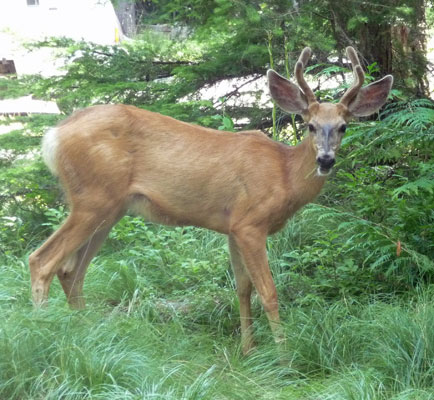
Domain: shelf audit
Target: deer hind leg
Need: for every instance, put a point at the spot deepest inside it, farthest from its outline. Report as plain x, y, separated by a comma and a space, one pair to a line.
61, 246
71, 274
251, 243
244, 291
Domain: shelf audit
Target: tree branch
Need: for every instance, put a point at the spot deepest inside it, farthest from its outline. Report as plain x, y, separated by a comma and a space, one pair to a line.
155, 62
236, 90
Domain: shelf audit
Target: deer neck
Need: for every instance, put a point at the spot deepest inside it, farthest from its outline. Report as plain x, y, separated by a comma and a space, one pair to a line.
304, 181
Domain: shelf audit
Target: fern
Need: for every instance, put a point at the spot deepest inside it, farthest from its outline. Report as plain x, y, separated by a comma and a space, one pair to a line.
410, 188
372, 244
417, 114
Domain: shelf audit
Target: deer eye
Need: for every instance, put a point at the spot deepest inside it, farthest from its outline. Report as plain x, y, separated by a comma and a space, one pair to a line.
342, 128
311, 128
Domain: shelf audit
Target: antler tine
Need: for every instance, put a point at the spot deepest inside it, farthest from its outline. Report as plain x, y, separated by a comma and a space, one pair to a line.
359, 77
298, 72
352, 55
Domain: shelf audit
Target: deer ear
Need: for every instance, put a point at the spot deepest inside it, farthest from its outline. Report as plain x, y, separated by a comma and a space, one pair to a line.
371, 97
286, 94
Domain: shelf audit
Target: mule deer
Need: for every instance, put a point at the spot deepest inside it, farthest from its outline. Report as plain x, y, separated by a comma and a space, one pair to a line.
114, 158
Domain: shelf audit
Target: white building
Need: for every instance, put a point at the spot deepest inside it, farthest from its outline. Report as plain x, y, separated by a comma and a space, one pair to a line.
26, 20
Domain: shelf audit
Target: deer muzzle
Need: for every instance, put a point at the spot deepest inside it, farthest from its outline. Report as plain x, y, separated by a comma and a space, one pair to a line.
325, 163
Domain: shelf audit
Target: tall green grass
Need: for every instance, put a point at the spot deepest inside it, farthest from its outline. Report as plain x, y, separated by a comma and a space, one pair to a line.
162, 323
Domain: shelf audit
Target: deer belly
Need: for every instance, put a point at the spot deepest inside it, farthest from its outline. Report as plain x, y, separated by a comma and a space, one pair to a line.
161, 212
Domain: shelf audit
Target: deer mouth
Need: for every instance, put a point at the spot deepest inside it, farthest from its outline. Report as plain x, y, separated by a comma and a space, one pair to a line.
321, 171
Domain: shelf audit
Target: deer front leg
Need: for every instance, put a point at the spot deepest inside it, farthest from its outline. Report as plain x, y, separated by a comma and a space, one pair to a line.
251, 243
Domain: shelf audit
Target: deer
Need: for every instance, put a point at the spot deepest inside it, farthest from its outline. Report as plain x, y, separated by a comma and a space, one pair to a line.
114, 159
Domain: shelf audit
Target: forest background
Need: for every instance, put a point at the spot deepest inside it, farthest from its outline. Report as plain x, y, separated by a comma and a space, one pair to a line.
354, 270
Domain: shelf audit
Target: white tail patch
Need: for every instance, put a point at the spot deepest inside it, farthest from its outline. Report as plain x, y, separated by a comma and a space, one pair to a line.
49, 149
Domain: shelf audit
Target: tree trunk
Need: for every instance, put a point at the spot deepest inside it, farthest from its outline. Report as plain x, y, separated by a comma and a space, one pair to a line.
376, 46
126, 12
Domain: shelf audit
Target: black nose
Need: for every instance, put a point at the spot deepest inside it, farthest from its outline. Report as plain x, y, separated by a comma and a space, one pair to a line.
325, 161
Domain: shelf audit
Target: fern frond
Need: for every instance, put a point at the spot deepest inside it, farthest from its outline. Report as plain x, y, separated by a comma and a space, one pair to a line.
417, 114
410, 188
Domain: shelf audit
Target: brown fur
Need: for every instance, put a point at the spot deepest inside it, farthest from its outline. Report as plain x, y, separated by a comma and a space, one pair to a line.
132, 158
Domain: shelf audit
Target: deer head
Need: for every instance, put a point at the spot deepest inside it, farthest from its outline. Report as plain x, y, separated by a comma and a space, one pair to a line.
327, 121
